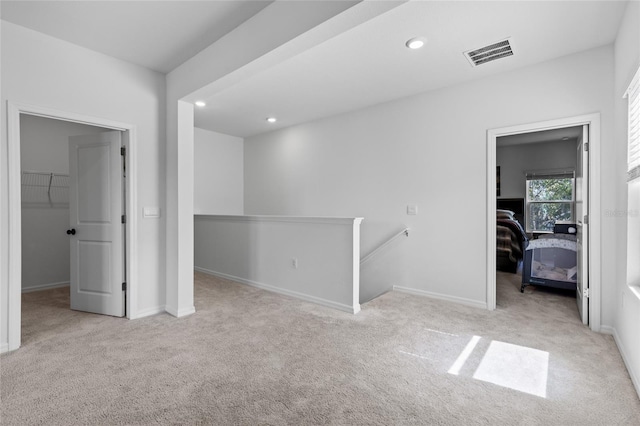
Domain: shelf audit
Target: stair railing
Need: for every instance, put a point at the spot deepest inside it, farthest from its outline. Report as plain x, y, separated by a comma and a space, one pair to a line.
375, 252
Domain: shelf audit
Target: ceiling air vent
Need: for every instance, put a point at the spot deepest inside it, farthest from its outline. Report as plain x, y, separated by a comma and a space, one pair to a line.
494, 51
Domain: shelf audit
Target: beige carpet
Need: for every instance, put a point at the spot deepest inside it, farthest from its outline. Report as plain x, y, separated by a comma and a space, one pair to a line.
252, 357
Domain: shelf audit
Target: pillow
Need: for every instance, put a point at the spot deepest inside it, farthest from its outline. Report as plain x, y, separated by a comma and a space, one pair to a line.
505, 214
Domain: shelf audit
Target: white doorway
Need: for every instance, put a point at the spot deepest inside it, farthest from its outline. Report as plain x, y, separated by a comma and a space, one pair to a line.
592, 245
125, 193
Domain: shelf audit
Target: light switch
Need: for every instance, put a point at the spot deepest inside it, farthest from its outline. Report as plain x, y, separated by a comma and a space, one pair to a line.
412, 210
151, 212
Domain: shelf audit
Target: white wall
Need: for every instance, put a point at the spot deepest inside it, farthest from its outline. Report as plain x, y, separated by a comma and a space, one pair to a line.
626, 301
237, 55
516, 160
46, 72
383, 269
44, 146
218, 173
260, 251
429, 150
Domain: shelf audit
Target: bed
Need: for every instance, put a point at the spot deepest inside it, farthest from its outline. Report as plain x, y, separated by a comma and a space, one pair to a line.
551, 261
510, 241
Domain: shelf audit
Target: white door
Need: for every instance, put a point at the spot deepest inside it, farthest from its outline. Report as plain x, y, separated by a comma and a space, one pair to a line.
96, 229
582, 211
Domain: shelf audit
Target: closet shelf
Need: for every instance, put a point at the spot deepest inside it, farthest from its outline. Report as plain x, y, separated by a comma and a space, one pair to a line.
45, 188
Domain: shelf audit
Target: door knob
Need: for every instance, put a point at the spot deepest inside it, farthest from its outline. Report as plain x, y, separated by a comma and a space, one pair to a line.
71, 232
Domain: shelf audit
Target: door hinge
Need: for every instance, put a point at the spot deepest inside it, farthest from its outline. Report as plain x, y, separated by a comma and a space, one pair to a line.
586, 219
586, 146
124, 218
585, 292
124, 286
123, 151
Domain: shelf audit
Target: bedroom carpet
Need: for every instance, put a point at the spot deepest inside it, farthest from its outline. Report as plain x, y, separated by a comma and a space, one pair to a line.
251, 357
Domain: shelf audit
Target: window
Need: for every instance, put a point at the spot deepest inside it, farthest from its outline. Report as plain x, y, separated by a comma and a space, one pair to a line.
633, 184
550, 198
633, 159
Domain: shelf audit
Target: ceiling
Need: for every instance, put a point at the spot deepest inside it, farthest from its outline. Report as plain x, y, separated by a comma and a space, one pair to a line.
364, 66
370, 64
159, 35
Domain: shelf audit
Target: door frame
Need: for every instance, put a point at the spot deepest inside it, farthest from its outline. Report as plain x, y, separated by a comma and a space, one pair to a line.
594, 242
14, 110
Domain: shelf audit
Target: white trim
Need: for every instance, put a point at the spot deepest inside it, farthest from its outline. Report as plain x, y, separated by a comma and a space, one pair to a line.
606, 329
355, 266
14, 320
595, 278
491, 222
290, 219
625, 358
180, 313
14, 109
150, 311
439, 296
129, 140
317, 300
4, 348
41, 287
69, 116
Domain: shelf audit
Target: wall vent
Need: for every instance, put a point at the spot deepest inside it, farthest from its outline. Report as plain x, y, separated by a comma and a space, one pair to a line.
494, 51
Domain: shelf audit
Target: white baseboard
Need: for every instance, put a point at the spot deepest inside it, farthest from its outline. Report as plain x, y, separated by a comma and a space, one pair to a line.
455, 299
4, 347
313, 299
45, 287
149, 311
179, 313
605, 329
627, 362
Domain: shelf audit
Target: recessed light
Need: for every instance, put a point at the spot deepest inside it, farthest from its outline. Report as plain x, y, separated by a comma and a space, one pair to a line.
271, 119
416, 42
201, 104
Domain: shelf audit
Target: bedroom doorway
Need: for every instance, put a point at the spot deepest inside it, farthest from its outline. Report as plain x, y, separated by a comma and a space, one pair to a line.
573, 157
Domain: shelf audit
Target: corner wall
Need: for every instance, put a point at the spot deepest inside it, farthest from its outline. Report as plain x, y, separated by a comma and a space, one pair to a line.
626, 301
43, 71
428, 150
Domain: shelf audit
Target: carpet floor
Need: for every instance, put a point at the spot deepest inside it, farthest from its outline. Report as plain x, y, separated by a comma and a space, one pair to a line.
250, 357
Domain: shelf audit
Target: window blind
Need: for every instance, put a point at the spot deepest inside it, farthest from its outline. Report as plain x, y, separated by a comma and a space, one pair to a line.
550, 174
633, 158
